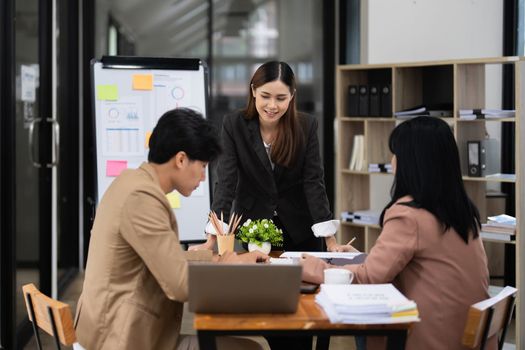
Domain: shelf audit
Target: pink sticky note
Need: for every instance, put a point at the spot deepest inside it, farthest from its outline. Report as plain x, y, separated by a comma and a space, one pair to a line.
115, 167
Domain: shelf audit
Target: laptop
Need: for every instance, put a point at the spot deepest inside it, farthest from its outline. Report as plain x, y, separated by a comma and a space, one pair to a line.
244, 288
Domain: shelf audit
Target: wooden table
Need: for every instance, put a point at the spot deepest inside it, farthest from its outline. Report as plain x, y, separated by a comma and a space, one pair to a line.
309, 320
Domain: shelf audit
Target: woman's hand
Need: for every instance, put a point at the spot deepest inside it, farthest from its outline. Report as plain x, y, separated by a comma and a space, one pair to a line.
208, 245
342, 248
313, 269
333, 246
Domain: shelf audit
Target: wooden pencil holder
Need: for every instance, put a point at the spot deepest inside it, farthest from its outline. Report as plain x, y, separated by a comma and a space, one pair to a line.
225, 243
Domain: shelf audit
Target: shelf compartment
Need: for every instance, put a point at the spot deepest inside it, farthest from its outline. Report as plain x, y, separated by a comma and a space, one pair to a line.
371, 236
477, 192
473, 91
347, 132
376, 141
488, 179
347, 232
379, 77
354, 193
465, 132
352, 224
431, 86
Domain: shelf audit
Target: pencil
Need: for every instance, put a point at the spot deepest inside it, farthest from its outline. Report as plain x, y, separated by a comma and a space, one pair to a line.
351, 241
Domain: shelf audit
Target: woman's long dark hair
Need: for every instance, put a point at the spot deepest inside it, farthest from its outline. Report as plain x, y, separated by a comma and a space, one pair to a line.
289, 137
428, 170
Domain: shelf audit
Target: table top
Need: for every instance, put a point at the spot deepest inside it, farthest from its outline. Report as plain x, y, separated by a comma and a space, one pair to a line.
308, 316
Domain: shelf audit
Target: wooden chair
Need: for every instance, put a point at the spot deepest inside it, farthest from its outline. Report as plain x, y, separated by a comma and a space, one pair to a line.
488, 318
51, 315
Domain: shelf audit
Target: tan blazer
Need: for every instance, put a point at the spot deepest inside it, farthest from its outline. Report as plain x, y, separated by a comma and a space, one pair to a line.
437, 270
136, 274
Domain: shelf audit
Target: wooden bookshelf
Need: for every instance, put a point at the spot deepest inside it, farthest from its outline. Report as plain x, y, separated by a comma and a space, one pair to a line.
462, 84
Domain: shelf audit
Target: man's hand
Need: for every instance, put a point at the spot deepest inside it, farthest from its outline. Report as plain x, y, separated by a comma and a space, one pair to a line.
208, 245
245, 258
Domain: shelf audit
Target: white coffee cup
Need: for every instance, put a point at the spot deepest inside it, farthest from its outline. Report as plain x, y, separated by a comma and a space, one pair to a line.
338, 276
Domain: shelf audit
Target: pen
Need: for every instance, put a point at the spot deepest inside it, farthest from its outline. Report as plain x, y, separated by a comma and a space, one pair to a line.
350, 242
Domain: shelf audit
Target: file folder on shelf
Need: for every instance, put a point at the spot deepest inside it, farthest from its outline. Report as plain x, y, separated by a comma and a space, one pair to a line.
386, 100
363, 100
374, 101
353, 101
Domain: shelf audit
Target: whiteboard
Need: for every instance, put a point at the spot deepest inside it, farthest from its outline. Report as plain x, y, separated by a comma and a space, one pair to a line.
130, 94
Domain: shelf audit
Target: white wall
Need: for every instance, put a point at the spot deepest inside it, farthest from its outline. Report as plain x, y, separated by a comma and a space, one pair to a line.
428, 30
422, 30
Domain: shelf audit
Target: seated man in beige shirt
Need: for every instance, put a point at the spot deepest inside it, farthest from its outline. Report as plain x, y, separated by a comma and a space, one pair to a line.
137, 274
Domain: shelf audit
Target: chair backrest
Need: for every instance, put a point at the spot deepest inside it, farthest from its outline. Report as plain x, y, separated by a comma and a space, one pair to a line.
489, 317
51, 315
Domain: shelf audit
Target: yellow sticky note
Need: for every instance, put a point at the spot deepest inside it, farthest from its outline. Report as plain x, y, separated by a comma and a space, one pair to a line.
148, 135
142, 81
174, 199
107, 92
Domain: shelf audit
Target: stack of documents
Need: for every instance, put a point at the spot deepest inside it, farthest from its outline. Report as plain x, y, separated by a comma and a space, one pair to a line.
380, 168
472, 114
366, 304
334, 258
411, 113
364, 217
501, 228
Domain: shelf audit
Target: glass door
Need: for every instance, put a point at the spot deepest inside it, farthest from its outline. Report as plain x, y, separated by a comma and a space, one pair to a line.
26, 134
33, 133
39, 181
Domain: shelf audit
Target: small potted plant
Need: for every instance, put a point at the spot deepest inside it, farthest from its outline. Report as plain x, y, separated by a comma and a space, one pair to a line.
260, 235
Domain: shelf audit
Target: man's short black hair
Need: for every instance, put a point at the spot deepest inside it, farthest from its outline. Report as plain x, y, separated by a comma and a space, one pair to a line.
183, 129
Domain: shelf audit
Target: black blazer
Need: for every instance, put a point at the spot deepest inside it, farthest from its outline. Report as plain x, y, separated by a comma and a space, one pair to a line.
244, 174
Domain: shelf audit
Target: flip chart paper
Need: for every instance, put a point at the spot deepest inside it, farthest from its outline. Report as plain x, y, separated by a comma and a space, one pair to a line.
174, 199
107, 92
142, 81
115, 167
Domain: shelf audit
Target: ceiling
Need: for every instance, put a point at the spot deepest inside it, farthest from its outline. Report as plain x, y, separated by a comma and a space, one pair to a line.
172, 27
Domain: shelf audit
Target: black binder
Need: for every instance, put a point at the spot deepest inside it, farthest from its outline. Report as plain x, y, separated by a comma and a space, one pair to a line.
476, 158
353, 101
386, 100
363, 100
374, 101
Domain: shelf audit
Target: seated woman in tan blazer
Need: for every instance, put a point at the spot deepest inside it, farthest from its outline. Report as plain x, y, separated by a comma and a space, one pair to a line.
429, 246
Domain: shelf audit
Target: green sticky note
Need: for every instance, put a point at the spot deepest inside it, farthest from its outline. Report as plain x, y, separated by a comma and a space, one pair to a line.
107, 92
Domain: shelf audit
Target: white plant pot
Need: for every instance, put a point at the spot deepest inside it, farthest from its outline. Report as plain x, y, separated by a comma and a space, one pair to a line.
265, 248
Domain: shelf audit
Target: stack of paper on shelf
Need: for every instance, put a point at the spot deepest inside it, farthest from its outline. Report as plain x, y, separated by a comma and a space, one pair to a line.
380, 168
501, 227
366, 303
412, 112
439, 110
357, 160
471, 114
365, 217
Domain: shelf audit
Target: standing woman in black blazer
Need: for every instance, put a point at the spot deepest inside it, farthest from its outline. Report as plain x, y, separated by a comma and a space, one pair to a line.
270, 166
